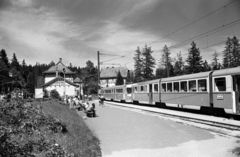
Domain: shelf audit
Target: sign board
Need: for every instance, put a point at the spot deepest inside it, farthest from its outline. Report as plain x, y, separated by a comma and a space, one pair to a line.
220, 97
38, 93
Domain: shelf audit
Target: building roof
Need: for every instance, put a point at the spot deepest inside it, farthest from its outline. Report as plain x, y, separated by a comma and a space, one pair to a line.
112, 72
58, 67
77, 80
59, 78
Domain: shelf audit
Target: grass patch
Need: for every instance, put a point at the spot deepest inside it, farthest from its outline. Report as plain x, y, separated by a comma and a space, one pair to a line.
78, 139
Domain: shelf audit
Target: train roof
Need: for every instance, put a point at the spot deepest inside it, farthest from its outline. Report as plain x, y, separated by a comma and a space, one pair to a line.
187, 77
230, 71
147, 82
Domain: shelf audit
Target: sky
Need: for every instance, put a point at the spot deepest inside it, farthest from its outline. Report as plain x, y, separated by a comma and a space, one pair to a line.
41, 31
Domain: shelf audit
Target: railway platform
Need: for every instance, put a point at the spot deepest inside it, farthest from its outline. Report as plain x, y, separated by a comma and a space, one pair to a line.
132, 133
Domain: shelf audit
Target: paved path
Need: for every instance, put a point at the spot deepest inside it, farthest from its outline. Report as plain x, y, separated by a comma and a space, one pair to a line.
125, 133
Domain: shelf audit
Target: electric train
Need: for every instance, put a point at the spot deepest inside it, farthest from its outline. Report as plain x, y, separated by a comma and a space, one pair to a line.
209, 91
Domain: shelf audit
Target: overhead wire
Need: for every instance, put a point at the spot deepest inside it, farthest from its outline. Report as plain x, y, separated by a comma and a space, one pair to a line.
196, 37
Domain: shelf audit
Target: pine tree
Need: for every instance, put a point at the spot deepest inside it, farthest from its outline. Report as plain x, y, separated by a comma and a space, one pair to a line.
148, 63
4, 63
119, 80
227, 54
215, 61
165, 61
206, 67
194, 60
30, 83
178, 66
138, 76
235, 51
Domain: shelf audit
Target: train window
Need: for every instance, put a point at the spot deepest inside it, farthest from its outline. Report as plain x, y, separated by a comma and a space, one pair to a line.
135, 89
220, 84
192, 86
164, 87
145, 88
129, 90
183, 86
155, 88
202, 85
142, 88
169, 87
176, 86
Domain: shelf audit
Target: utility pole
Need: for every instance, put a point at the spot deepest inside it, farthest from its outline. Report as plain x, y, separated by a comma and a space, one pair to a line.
98, 56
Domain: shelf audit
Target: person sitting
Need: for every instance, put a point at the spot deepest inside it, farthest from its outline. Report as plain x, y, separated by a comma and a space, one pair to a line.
101, 99
90, 110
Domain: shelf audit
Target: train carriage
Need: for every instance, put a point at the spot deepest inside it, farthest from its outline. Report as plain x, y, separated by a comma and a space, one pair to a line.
108, 93
191, 90
226, 87
120, 93
146, 92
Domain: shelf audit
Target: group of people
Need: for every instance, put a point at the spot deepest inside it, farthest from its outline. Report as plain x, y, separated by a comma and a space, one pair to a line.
85, 105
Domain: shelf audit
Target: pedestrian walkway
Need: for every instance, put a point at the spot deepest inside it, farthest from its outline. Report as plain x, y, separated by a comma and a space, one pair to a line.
124, 133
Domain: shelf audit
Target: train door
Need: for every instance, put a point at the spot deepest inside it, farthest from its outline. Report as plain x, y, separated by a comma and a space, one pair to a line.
150, 94
236, 93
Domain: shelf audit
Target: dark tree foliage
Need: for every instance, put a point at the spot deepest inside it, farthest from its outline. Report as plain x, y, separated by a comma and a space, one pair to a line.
138, 66
231, 54
178, 66
215, 64
15, 68
130, 77
119, 80
30, 84
5, 66
148, 63
90, 78
54, 94
194, 60
206, 66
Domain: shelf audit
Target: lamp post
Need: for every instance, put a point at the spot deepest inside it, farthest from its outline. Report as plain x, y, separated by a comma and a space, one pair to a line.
64, 92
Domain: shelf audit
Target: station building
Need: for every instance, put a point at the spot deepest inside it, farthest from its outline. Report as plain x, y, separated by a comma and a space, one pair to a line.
54, 79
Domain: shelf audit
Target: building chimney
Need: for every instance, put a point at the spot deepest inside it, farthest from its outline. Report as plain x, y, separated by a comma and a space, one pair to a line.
60, 60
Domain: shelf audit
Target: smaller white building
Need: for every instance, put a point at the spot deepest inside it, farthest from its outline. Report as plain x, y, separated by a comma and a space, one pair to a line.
108, 76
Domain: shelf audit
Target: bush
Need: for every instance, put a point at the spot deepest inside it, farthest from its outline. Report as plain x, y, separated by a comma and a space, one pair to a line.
54, 94
45, 93
25, 130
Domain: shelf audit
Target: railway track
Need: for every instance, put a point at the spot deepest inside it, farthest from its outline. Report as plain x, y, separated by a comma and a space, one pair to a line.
220, 125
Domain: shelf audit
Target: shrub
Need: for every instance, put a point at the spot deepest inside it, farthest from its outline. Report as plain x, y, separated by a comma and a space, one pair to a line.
25, 130
54, 94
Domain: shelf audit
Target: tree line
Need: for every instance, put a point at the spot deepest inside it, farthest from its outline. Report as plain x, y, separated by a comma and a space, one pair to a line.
29, 77
168, 66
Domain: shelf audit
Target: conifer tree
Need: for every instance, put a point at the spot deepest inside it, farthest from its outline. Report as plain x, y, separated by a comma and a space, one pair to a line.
119, 80
194, 60
165, 61
179, 64
227, 54
4, 63
148, 63
215, 61
235, 51
138, 76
